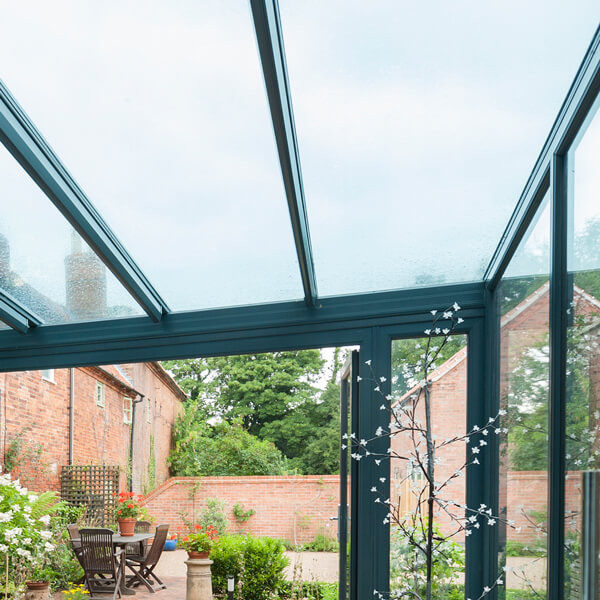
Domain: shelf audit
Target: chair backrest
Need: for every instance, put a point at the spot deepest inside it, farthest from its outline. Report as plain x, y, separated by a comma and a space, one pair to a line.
74, 535
142, 527
139, 547
158, 545
97, 551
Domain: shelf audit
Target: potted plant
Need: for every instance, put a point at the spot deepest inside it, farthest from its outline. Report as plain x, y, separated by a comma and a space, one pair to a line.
199, 543
171, 542
127, 512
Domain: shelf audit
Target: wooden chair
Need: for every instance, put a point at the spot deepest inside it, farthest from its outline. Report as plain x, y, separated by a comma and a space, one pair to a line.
139, 550
100, 562
143, 570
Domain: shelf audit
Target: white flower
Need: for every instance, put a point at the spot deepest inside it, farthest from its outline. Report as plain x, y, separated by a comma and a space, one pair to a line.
45, 519
373, 489
3, 548
427, 331
46, 535
491, 522
455, 306
475, 450
433, 312
460, 320
49, 547
382, 407
379, 431
445, 331
5, 517
447, 315
382, 479
475, 461
358, 378
368, 362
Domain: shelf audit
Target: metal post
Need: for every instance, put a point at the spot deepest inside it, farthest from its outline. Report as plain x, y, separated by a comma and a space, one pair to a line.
230, 586
590, 543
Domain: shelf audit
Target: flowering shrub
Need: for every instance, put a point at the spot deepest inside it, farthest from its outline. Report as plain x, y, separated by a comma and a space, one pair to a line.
76, 592
128, 506
25, 538
201, 540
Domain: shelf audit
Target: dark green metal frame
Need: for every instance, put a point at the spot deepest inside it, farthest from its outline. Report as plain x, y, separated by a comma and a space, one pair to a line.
371, 321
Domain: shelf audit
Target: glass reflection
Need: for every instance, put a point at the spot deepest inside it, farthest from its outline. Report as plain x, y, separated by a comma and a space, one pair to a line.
44, 264
524, 394
583, 344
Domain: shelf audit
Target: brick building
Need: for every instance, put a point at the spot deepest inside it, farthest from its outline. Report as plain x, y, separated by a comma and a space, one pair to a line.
524, 332
119, 415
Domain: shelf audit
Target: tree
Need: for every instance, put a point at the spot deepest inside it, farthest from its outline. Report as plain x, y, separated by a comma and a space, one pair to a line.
219, 450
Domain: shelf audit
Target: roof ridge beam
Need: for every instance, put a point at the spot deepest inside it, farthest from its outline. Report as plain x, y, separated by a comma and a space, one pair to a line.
269, 36
15, 315
34, 154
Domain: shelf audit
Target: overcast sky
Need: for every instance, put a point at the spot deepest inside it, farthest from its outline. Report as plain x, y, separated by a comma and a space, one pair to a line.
418, 124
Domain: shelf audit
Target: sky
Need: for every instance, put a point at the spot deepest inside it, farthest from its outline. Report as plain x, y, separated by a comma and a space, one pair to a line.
418, 124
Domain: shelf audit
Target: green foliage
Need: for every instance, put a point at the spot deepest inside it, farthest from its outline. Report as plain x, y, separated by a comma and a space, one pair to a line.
408, 566
219, 450
321, 543
272, 397
241, 514
213, 515
257, 563
151, 467
514, 548
22, 450
407, 361
308, 590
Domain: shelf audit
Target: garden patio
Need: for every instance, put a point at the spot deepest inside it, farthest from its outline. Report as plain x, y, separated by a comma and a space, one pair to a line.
414, 178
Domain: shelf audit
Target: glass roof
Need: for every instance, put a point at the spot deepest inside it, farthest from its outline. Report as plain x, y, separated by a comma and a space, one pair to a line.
162, 117
417, 128
418, 125
44, 264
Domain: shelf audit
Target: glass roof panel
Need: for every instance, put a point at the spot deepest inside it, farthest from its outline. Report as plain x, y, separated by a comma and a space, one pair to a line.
44, 264
160, 113
418, 125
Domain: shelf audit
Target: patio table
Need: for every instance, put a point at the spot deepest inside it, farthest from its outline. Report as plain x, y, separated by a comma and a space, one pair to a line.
121, 541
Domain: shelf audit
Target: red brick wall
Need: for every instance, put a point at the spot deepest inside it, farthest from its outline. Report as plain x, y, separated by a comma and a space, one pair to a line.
294, 508
38, 409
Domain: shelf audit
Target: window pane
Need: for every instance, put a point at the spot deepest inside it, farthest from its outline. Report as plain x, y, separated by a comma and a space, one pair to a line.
524, 389
44, 264
446, 401
418, 125
583, 343
162, 117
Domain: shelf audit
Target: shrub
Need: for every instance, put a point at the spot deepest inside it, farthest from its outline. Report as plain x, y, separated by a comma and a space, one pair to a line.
213, 515
304, 590
257, 563
321, 543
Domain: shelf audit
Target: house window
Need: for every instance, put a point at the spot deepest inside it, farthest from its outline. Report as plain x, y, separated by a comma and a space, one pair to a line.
127, 410
48, 375
100, 394
148, 410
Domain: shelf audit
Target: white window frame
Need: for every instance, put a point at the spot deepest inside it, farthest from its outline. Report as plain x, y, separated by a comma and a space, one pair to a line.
127, 410
100, 394
48, 375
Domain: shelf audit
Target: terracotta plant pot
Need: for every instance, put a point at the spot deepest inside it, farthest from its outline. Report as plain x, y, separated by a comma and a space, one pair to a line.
127, 526
37, 585
193, 555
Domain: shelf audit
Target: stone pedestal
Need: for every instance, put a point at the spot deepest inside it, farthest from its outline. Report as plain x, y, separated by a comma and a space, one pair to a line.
43, 594
199, 584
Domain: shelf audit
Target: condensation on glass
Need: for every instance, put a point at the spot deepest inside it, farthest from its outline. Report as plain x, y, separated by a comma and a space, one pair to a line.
409, 474
582, 424
44, 263
524, 396
162, 117
417, 131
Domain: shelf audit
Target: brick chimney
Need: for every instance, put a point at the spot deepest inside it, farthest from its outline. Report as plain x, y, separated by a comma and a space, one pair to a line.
85, 277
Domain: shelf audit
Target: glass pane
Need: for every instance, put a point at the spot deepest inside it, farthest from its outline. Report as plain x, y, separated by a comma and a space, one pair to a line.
524, 389
161, 115
412, 469
418, 125
583, 349
44, 264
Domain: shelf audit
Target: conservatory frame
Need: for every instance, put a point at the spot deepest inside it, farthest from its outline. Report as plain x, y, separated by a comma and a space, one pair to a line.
370, 321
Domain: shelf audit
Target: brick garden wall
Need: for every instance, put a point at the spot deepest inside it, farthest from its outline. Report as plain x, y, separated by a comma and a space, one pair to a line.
294, 508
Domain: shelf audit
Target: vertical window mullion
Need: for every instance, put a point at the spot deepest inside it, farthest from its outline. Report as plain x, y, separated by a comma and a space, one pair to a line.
559, 305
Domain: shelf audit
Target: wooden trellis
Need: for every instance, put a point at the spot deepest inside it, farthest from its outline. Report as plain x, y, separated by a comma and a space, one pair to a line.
92, 486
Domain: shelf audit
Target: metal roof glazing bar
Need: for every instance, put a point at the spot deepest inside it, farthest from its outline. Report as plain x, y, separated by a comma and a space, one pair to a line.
580, 98
16, 315
267, 25
26, 144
